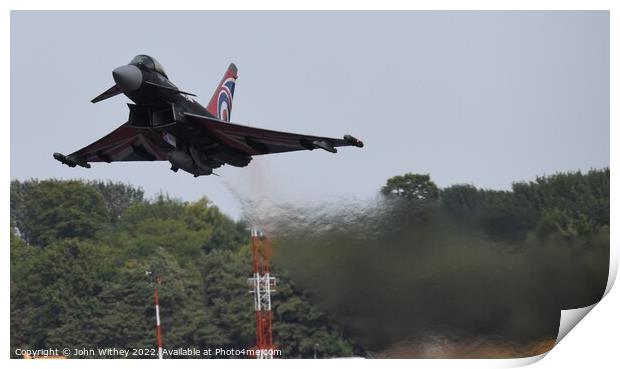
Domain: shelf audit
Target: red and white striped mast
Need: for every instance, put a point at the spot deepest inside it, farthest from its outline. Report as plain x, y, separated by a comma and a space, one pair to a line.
160, 344
262, 284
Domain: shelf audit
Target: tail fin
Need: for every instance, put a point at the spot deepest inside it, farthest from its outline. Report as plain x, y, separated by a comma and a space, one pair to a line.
221, 102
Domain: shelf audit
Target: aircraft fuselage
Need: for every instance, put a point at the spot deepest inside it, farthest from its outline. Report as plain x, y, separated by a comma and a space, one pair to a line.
160, 106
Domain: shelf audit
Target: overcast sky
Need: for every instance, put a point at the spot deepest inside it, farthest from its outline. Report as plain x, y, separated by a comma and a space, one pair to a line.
485, 98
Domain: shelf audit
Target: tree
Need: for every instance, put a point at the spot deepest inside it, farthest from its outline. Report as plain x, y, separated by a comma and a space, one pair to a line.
417, 187
462, 198
118, 197
73, 286
51, 210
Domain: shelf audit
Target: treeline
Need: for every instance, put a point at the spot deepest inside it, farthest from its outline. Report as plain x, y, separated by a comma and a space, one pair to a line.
79, 253
564, 204
80, 250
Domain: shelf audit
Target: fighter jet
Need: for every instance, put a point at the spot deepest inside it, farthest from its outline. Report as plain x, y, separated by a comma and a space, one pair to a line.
166, 123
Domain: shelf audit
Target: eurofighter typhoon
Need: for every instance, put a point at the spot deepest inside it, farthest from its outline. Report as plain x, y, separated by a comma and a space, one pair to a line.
166, 123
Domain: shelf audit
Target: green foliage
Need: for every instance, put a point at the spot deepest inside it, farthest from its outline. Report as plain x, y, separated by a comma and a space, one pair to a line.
566, 204
294, 318
411, 186
463, 198
79, 253
163, 207
570, 204
203, 215
51, 210
118, 197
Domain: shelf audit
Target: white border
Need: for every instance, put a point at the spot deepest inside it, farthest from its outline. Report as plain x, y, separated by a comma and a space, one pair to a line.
595, 341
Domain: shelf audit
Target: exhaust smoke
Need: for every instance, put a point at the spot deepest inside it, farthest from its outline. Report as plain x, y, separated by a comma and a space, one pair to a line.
394, 273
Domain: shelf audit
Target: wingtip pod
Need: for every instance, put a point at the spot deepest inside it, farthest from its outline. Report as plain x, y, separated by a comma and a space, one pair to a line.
353, 141
67, 160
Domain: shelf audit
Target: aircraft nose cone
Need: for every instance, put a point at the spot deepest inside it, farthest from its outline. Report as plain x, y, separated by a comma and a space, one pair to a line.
128, 77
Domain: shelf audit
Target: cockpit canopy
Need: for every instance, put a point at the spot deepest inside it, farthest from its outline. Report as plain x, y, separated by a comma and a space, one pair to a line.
148, 62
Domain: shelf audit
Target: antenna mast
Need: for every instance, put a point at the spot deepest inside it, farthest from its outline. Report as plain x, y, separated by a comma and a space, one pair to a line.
160, 344
262, 285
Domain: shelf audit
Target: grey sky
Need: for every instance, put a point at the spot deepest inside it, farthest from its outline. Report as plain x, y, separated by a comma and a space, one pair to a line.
485, 98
